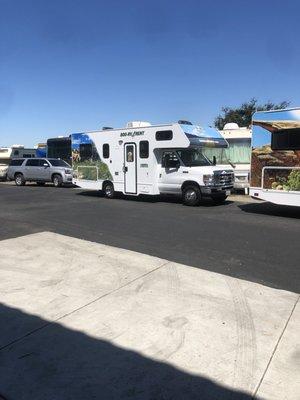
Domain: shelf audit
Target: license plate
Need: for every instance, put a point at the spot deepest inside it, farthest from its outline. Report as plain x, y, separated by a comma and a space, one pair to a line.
228, 192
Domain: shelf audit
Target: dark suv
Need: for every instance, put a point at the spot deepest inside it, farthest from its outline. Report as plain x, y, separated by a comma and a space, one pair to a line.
39, 170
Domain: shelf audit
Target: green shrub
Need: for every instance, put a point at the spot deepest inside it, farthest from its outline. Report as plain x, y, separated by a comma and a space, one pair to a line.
294, 180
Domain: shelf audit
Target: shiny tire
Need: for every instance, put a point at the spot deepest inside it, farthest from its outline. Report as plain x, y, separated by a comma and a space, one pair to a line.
191, 195
109, 190
57, 180
19, 180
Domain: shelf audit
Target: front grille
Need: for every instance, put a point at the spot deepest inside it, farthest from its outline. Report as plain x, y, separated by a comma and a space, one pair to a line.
223, 178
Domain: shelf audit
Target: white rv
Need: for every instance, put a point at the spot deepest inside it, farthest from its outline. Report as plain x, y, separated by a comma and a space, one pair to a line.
153, 160
237, 155
275, 161
15, 151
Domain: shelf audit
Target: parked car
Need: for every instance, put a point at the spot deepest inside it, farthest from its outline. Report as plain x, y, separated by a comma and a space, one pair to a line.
40, 170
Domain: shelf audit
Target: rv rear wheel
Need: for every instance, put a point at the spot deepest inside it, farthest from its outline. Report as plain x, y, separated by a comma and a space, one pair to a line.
191, 195
19, 180
109, 190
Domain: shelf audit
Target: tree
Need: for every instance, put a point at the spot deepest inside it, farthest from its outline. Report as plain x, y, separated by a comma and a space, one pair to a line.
242, 115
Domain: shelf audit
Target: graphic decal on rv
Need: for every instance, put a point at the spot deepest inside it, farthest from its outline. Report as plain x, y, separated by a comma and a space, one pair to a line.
132, 134
87, 162
275, 162
207, 137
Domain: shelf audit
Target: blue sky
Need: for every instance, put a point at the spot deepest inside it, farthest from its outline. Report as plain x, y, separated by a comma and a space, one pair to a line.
73, 65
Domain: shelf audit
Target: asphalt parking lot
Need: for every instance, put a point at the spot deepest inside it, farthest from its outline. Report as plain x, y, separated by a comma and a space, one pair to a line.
84, 317
252, 241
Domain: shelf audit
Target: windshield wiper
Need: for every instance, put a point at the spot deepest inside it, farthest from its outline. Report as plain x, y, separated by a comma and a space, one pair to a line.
231, 163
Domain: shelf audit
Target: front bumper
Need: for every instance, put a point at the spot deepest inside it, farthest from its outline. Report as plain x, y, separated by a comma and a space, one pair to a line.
215, 190
67, 178
241, 185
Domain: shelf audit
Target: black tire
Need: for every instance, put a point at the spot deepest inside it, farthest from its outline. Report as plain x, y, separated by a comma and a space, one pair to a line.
219, 199
19, 180
57, 180
40, 183
191, 195
109, 190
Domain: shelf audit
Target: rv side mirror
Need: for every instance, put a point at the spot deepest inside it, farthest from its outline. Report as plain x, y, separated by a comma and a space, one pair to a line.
214, 160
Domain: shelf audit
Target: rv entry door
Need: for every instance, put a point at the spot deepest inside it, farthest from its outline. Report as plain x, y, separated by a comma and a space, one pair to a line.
130, 170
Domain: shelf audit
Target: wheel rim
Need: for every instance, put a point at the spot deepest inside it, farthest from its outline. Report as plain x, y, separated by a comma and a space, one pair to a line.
18, 180
108, 190
55, 181
191, 195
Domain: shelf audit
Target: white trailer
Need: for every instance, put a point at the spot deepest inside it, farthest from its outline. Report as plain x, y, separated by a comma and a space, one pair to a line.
152, 160
275, 162
238, 153
15, 151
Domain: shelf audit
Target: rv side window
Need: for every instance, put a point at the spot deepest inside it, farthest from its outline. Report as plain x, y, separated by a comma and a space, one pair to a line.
144, 149
287, 139
105, 150
129, 154
164, 135
169, 158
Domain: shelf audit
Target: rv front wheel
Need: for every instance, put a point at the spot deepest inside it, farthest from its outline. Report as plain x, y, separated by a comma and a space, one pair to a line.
109, 190
191, 195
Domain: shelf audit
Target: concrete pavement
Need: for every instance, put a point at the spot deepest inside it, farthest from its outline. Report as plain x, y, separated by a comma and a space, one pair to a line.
81, 320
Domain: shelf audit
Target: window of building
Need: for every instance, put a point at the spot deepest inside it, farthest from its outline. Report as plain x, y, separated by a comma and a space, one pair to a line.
105, 150
16, 152
164, 135
32, 162
144, 149
287, 139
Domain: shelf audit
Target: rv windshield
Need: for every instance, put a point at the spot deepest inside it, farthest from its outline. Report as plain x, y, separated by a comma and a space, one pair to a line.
219, 153
193, 158
238, 152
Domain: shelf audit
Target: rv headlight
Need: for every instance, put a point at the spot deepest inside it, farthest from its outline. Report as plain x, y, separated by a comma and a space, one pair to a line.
208, 179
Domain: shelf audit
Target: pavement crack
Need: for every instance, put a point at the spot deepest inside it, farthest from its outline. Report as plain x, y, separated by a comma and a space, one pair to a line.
275, 349
83, 306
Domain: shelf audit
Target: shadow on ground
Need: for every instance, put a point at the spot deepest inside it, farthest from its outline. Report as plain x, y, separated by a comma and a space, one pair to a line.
52, 362
152, 199
271, 209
